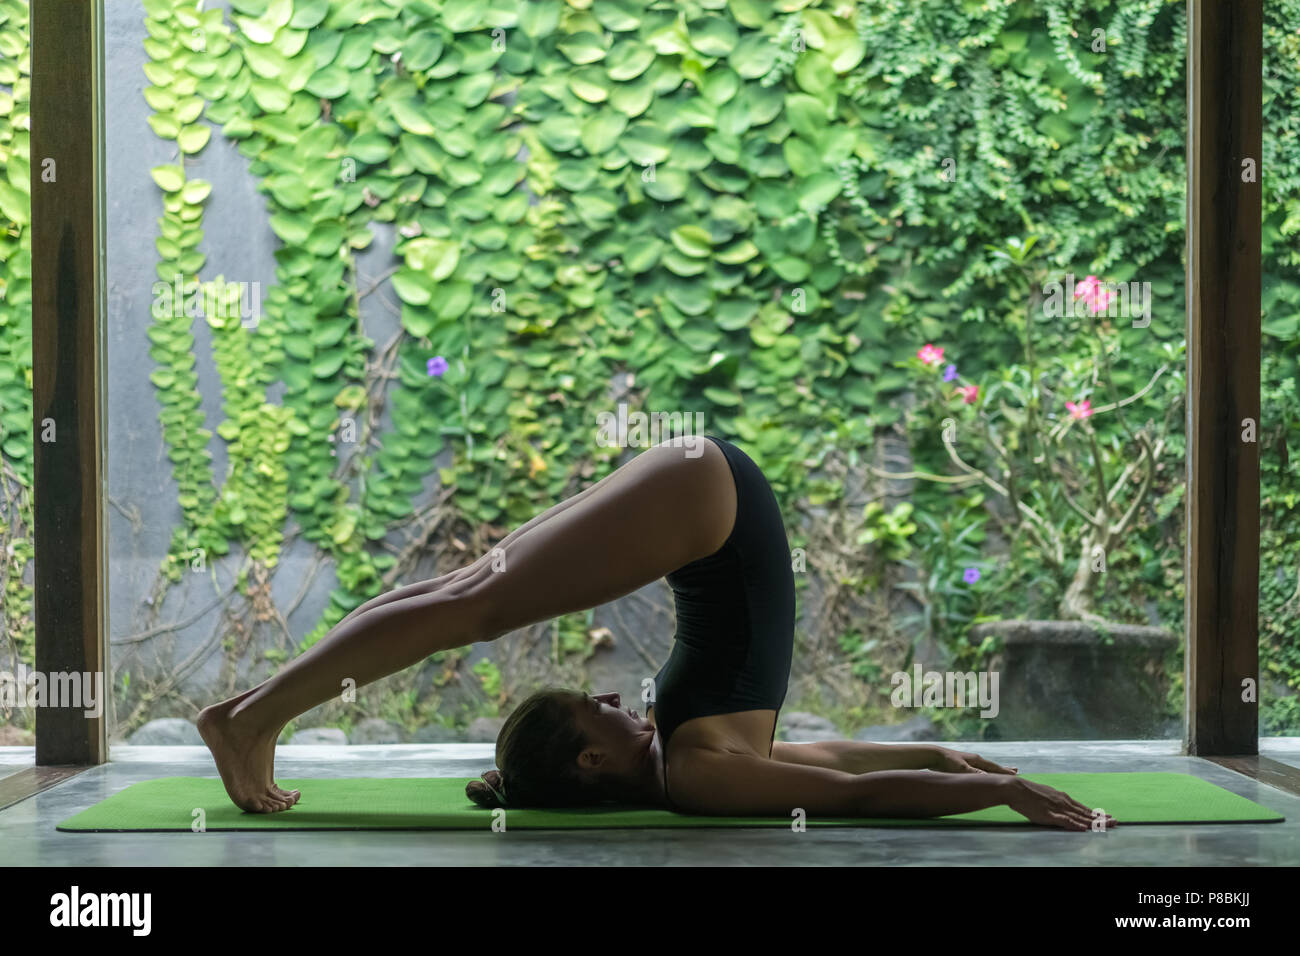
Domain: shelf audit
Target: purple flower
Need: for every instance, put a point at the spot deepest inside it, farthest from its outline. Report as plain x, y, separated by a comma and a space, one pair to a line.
971, 576
950, 373
437, 365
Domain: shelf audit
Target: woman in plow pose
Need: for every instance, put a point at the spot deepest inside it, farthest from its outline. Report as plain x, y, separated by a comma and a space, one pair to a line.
697, 511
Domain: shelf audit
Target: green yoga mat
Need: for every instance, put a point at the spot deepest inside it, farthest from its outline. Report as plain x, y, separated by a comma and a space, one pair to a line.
439, 803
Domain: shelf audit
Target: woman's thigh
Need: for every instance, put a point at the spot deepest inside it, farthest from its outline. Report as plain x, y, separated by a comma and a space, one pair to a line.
663, 509
454, 582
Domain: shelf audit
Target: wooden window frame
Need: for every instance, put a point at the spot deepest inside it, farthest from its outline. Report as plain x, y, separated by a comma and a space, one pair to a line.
69, 305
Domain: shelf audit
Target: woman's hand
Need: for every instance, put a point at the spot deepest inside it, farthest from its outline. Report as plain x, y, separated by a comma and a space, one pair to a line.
954, 761
1041, 804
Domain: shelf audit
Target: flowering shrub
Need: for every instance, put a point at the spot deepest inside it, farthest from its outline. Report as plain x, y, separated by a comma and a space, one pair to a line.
1075, 476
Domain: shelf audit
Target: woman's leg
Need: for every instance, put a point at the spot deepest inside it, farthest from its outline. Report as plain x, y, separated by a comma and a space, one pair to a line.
663, 509
432, 584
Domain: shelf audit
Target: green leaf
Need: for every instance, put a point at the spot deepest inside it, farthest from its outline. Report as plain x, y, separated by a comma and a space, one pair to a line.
418, 322
713, 36
308, 13
329, 83
289, 191
540, 18
265, 61
461, 16
293, 230
14, 205
814, 73
422, 49
159, 98
628, 60
258, 31
326, 239
754, 56
454, 300
163, 378
644, 144
328, 364
802, 157
558, 133
271, 97
289, 43
642, 254
278, 13
692, 240
733, 314
582, 48
194, 138
370, 148
737, 252
168, 177
189, 109
806, 115
165, 125
412, 287
617, 15
423, 154
589, 84
473, 89
790, 268
437, 257
410, 116
817, 190
601, 130
1283, 327
195, 191
668, 184
722, 396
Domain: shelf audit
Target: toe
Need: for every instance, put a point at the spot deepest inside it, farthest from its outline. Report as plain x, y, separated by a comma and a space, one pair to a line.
290, 795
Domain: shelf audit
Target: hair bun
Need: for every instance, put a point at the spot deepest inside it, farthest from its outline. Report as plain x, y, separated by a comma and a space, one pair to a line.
488, 791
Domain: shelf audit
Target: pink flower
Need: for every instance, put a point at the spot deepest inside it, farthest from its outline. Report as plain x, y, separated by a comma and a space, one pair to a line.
968, 393
1093, 293
929, 354
1082, 410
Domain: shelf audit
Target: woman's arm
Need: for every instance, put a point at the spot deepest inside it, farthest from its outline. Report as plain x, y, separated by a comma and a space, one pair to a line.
713, 782
853, 756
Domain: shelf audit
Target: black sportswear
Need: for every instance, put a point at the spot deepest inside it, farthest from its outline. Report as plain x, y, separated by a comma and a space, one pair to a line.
735, 615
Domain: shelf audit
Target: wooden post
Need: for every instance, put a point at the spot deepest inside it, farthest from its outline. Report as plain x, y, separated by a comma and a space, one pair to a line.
1224, 143
68, 302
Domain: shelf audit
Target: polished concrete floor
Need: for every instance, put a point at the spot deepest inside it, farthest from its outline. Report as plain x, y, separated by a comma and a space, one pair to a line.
28, 837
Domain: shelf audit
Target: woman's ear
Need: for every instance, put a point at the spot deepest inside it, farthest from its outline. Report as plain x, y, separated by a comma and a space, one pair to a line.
591, 759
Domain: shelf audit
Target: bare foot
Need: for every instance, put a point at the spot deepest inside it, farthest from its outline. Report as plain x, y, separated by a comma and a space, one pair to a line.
245, 759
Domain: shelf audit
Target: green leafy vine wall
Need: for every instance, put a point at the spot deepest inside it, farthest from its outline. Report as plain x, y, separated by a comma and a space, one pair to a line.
754, 209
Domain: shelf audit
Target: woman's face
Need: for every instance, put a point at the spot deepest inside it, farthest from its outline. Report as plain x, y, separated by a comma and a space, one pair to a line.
619, 740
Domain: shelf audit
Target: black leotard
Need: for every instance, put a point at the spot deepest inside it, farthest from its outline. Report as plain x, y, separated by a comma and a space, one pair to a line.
735, 615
